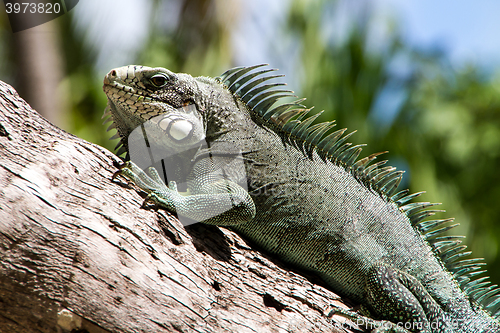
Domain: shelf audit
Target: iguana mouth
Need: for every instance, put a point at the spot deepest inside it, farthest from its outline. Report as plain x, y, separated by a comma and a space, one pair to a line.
125, 100
123, 93
120, 93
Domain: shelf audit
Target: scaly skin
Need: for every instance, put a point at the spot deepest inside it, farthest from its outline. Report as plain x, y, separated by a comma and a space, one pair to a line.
329, 215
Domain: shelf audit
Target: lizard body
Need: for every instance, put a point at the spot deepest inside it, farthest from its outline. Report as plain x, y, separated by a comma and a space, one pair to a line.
299, 193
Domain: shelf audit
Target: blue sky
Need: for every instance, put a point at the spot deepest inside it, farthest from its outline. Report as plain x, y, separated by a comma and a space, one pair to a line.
467, 30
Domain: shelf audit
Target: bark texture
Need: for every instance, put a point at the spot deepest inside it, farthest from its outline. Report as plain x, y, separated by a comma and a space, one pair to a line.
78, 254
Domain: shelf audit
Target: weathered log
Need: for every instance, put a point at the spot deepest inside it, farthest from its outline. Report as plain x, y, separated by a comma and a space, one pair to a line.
77, 253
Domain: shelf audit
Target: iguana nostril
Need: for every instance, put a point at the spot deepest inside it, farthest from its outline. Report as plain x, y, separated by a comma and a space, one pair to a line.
110, 75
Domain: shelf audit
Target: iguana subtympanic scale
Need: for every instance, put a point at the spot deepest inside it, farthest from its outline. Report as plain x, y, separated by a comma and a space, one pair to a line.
298, 190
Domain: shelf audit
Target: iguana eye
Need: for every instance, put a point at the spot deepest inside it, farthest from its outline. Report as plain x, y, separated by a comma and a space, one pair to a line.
158, 80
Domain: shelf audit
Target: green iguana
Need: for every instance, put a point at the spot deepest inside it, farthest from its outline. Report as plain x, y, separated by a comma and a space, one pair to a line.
298, 191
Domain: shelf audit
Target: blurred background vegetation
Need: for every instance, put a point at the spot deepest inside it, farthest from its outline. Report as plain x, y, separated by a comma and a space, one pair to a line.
441, 124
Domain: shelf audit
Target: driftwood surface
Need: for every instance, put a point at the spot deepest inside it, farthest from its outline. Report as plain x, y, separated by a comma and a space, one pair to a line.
78, 254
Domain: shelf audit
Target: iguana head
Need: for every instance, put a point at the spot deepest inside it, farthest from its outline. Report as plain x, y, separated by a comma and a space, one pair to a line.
172, 102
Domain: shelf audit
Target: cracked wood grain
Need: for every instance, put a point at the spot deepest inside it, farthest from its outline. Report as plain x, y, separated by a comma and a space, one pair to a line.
78, 252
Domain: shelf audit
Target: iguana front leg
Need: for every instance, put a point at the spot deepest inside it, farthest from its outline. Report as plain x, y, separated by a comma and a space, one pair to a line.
221, 202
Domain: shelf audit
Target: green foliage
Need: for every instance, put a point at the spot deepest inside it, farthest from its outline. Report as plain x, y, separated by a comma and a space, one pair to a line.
451, 131
198, 45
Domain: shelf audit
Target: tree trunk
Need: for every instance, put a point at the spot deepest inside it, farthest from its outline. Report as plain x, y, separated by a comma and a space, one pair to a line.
77, 253
39, 69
